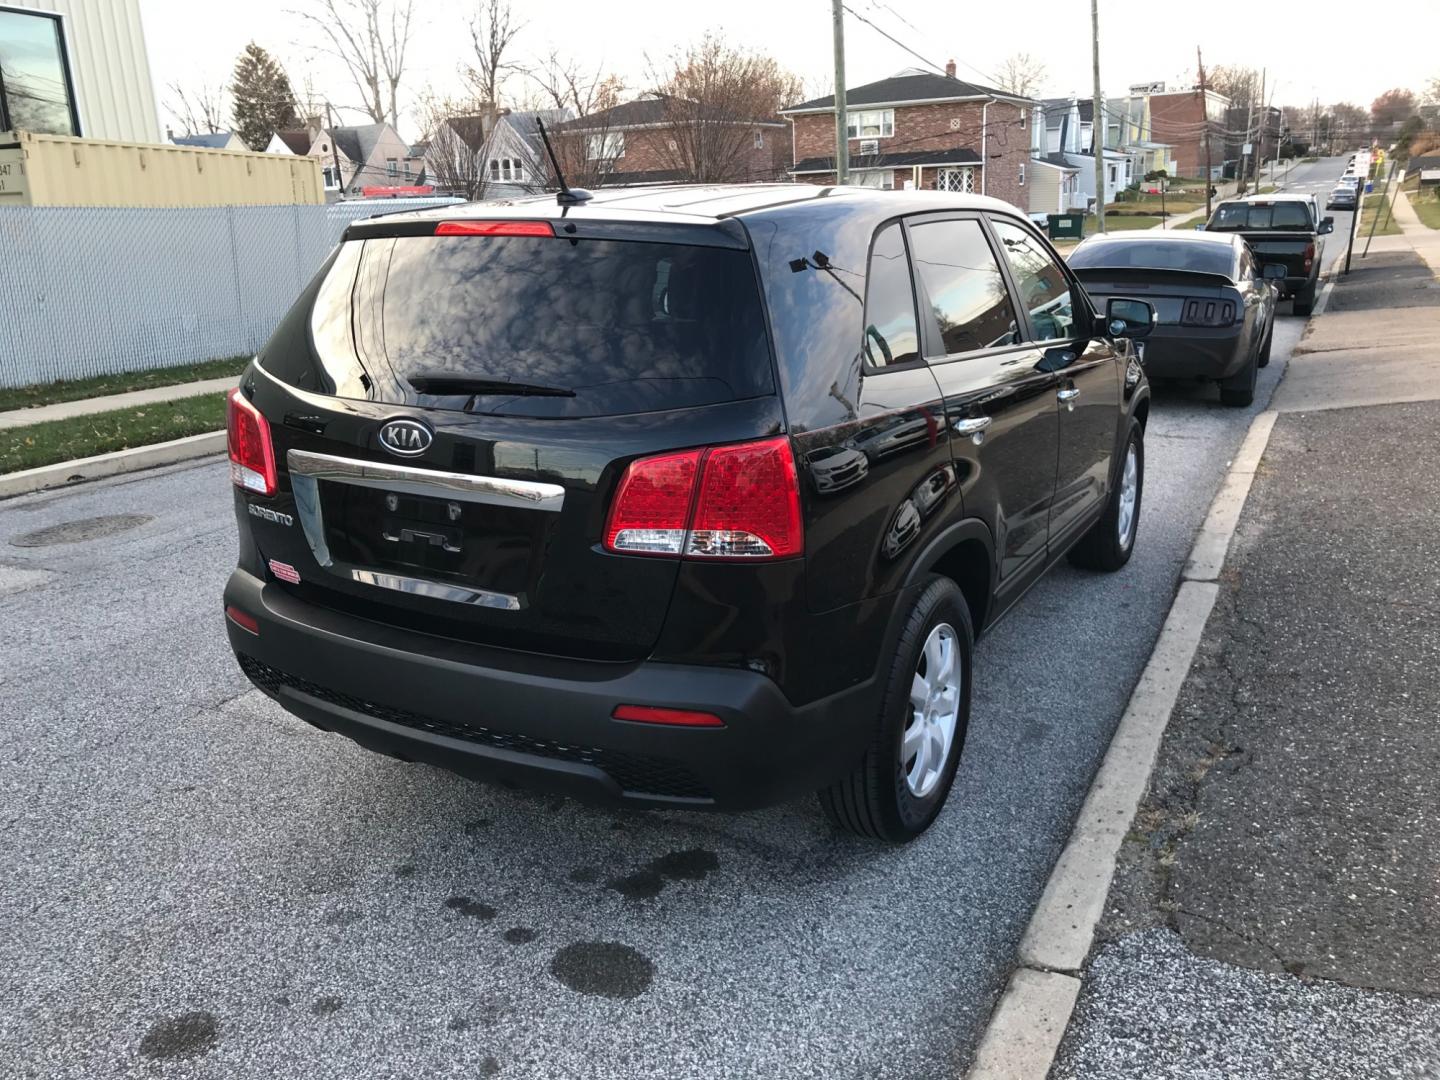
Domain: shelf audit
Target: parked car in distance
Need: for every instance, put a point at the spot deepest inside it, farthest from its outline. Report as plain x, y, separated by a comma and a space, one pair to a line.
1215, 310
683, 497
1343, 197
1280, 228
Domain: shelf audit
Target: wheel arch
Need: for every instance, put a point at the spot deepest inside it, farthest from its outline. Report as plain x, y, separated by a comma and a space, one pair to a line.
965, 553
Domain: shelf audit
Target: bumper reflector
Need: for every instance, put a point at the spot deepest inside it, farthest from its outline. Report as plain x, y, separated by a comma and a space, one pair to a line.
242, 619
647, 714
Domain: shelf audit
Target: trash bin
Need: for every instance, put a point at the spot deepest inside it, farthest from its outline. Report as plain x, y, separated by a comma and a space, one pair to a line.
1066, 226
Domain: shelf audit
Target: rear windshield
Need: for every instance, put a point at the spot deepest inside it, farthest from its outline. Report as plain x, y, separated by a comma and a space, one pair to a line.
1196, 255
604, 326
1282, 215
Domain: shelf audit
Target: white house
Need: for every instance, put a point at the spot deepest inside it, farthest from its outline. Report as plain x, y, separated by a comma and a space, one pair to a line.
76, 67
1068, 133
506, 155
352, 158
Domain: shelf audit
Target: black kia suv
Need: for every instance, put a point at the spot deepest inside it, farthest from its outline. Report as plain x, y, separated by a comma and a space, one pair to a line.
687, 497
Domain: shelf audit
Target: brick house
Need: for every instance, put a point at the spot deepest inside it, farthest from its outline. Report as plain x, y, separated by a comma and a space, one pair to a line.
923, 130
1179, 119
643, 142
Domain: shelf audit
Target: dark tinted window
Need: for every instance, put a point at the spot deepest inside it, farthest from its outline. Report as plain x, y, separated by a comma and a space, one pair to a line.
35, 91
890, 330
1043, 287
1199, 255
629, 327
1282, 215
968, 298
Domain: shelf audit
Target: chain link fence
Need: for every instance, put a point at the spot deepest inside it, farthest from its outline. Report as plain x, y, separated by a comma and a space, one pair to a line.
101, 290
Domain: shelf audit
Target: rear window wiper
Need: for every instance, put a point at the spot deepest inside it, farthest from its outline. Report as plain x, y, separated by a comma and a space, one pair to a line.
477, 385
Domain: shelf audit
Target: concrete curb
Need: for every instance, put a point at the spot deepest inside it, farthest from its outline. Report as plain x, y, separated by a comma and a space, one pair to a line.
1024, 1032
66, 473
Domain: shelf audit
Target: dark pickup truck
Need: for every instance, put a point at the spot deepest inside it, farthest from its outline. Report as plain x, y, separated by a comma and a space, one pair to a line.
1280, 229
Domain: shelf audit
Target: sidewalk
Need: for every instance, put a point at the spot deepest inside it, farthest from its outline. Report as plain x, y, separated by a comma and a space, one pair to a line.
66, 409
1425, 240
1274, 913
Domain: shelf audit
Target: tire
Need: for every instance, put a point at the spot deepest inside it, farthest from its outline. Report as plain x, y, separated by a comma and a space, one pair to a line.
1304, 301
892, 795
1265, 349
1238, 391
1104, 547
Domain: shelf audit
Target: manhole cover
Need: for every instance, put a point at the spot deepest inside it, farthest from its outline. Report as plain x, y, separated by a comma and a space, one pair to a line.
72, 532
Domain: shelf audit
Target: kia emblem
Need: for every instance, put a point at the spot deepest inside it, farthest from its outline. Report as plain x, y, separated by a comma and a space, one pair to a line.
405, 437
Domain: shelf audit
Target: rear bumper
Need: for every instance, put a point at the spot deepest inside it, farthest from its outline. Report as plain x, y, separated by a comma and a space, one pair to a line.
1194, 352
545, 722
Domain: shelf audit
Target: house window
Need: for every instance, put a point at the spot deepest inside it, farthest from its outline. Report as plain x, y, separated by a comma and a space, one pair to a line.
36, 92
870, 124
495, 169
1022, 174
330, 183
873, 178
1112, 174
607, 147
392, 168
759, 139
956, 180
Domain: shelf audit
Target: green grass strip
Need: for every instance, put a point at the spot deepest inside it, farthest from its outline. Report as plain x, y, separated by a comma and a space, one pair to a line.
99, 433
28, 397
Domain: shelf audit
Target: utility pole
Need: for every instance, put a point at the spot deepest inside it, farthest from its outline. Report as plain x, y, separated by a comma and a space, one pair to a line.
1097, 120
1247, 151
334, 149
1260, 134
842, 140
1205, 117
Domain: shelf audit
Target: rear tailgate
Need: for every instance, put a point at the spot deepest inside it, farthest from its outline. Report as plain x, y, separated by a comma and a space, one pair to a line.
1290, 248
481, 515
1178, 295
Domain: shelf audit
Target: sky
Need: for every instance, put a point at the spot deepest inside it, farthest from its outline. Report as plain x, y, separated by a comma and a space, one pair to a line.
1307, 55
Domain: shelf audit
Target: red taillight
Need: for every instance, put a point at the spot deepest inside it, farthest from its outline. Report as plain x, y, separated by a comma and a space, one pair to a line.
1309, 255
646, 714
747, 505
494, 228
652, 505
243, 619
252, 456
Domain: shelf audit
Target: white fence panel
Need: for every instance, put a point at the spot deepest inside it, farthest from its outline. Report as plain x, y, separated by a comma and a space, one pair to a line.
100, 290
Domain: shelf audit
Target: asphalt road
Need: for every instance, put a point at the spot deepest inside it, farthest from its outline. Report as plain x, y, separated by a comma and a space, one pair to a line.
195, 884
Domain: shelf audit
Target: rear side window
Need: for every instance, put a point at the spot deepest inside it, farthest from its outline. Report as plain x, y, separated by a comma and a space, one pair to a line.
1044, 289
891, 334
615, 326
968, 299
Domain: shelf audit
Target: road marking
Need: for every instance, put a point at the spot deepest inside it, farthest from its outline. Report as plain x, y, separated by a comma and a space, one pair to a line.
1025, 1030
1324, 298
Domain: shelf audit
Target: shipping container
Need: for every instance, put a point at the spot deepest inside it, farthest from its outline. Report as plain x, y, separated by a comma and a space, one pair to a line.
57, 170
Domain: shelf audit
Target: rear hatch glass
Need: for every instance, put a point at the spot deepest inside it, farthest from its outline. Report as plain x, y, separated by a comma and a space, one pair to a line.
545, 363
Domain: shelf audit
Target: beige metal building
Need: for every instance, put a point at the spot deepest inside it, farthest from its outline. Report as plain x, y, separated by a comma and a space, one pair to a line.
56, 170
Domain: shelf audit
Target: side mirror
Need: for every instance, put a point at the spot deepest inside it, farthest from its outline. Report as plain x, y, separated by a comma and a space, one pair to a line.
1273, 271
1126, 318
1327, 226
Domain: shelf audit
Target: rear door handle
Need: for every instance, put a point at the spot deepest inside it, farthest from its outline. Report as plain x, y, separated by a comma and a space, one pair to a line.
1070, 393
973, 426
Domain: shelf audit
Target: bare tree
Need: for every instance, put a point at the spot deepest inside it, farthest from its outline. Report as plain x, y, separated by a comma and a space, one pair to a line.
1240, 84
370, 37
1022, 75
715, 94
492, 31
201, 111
455, 135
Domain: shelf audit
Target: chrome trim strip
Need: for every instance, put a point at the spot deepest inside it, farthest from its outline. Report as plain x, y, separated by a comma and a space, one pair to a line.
522, 494
435, 590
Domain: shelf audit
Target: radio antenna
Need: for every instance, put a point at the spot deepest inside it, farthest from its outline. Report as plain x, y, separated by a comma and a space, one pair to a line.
567, 195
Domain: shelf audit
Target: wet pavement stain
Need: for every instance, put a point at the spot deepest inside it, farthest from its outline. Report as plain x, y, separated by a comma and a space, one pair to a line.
408, 870
327, 1006
519, 935
693, 864
584, 875
475, 909
180, 1036
73, 532
489, 1067
603, 969
342, 917
458, 1023
477, 826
